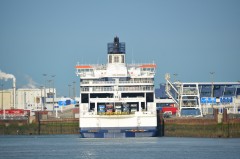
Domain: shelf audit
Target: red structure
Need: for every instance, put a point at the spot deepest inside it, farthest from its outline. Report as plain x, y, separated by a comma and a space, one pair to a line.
15, 112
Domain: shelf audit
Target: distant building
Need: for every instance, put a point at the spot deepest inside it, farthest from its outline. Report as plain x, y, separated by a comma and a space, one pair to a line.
6, 99
29, 98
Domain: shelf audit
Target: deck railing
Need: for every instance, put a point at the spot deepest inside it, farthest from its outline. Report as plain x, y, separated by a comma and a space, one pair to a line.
120, 82
110, 89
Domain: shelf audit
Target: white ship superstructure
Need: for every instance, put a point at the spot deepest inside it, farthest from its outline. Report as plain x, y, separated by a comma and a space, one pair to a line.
117, 99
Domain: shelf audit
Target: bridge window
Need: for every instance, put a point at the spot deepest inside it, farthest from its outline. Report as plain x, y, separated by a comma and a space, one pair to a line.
116, 59
122, 58
110, 58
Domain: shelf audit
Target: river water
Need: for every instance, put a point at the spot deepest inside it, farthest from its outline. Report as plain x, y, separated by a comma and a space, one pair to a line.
73, 147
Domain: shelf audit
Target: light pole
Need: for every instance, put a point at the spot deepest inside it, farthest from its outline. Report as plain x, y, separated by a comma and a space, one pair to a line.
74, 91
41, 87
49, 89
54, 95
4, 115
49, 86
212, 74
2, 95
212, 78
44, 90
69, 88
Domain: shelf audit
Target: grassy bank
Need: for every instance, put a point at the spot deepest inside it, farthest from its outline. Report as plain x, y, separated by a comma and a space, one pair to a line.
199, 130
45, 128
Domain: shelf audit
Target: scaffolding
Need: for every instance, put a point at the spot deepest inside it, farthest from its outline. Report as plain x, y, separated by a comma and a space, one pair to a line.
186, 97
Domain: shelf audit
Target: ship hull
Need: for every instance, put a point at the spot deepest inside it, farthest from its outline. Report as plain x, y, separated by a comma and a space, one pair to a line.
118, 132
140, 124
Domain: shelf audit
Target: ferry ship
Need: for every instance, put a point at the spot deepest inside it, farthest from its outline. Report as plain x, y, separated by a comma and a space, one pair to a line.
117, 99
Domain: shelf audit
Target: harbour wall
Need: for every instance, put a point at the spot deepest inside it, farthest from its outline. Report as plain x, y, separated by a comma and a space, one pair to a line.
41, 127
220, 125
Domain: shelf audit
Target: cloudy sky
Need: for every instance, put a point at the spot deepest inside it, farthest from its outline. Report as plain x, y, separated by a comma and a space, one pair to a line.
187, 37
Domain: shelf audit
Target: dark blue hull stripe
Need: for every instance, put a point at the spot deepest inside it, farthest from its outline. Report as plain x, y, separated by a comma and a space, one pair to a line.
118, 132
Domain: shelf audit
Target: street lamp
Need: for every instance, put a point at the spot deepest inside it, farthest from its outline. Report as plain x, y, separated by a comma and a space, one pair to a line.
2, 95
41, 87
212, 78
44, 90
53, 81
212, 75
54, 94
49, 86
69, 87
4, 115
74, 91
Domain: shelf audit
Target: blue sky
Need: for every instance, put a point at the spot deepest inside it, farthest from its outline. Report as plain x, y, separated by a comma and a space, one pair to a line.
187, 37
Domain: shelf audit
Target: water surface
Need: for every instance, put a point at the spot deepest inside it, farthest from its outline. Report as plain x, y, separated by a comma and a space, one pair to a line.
73, 147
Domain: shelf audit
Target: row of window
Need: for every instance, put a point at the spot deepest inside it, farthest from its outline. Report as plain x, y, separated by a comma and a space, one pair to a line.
140, 88
148, 69
85, 70
116, 59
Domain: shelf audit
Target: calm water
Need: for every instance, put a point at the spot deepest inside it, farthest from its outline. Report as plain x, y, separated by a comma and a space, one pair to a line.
71, 147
